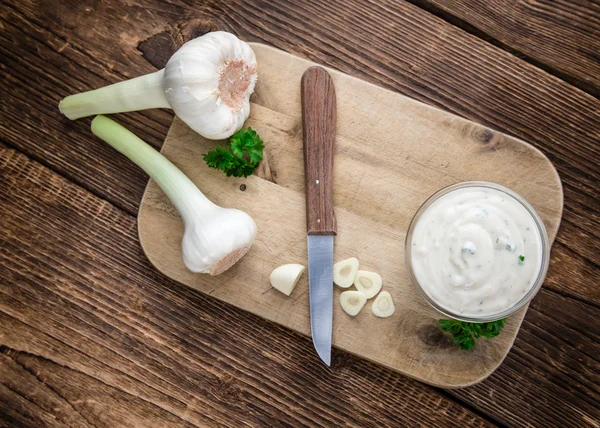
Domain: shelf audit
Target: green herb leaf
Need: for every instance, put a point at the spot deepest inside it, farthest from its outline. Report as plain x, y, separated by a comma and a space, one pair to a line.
241, 157
521, 259
466, 333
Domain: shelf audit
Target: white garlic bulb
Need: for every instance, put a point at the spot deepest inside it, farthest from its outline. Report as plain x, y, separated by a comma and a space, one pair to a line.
214, 238
207, 82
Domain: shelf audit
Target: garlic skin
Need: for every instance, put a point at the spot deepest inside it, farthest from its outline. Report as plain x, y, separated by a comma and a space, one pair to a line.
207, 82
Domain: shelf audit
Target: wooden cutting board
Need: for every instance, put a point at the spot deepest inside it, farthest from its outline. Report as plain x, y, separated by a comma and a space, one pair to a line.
392, 152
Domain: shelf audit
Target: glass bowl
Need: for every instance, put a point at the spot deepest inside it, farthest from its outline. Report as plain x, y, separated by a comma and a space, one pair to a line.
525, 299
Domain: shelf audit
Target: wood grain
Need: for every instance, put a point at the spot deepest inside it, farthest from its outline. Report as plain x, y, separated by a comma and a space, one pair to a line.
427, 59
555, 343
318, 134
97, 307
90, 329
561, 36
50, 49
375, 197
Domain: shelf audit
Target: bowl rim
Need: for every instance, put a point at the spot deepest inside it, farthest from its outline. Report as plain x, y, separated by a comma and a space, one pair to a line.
541, 229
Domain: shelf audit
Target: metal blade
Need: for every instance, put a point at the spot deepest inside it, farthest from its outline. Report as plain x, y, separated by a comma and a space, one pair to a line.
320, 280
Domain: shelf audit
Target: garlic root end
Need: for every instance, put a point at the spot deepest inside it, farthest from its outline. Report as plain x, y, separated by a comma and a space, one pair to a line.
228, 261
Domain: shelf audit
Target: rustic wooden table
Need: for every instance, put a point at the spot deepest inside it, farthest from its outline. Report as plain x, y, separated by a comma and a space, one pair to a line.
92, 335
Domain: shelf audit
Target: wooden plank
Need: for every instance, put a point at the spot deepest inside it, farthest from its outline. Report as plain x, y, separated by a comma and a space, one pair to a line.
84, 312
74, 398
561, 36
64, 46
394, 45
31, 53
557, 340
21, 413
83, 296
572, 275
375, 198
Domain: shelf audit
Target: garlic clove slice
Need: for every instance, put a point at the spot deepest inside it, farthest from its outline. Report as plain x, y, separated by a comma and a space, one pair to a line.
368, 282
383, 306
284, 278
352, 302
344, 272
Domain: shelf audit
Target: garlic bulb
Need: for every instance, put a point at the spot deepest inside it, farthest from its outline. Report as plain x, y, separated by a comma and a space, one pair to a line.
207, 82
214, 238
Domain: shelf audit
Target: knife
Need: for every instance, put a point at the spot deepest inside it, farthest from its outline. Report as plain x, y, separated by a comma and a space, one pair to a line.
318, 130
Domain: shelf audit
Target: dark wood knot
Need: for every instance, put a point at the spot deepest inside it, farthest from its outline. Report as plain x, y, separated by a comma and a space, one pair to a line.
432, 335
196, 28
158, 48
486, 137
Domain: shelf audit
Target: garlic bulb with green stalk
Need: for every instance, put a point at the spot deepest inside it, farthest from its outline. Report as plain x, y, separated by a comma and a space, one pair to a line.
214, 238
207, 82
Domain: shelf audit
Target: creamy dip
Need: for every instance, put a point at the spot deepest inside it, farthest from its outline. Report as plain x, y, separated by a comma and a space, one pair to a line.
476, 251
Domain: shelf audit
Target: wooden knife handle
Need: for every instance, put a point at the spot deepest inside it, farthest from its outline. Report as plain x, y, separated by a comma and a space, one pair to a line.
318, 129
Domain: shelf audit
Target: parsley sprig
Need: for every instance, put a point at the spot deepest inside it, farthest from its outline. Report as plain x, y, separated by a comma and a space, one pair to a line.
241, 156
465, 333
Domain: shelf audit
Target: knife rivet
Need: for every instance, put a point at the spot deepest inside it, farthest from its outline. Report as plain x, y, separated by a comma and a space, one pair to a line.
317, 181
318, 220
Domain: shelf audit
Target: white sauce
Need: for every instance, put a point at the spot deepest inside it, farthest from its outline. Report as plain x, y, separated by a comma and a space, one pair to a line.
465, 251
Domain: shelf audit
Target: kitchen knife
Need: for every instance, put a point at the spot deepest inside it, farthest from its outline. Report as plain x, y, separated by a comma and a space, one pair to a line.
318, 128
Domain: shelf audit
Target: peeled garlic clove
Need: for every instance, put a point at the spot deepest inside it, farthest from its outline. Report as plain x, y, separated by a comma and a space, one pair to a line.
284, 278
344, 272
368, 282
383, 306
352, 302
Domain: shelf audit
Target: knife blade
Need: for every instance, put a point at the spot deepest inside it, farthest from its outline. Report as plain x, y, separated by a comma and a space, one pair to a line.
318, 130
